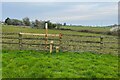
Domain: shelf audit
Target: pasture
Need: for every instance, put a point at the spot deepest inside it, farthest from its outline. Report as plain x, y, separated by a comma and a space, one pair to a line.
79, 56
86, 28
17, 29
71, 41
33, 64
96, 29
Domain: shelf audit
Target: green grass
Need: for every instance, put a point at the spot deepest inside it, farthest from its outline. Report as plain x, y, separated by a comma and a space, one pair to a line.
96, 29
17, 29
65, 38
33, 64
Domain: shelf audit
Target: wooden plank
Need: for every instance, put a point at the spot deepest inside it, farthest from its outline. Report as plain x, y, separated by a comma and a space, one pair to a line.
110, 42
80, 45
33, 44
32, 34
41, 44
8, 43
27, 38
57, 35
9, 37
81, 41
33, 38
39, 39
80, 35
39, 34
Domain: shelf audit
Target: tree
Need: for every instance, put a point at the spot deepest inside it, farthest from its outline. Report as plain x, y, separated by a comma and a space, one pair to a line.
26, 21
32, 24
37, 23
42, 24
8, 21
51, 25
16, 22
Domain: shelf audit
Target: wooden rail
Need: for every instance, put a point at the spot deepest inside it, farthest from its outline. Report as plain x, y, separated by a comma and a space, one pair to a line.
44, 35
61, 42
34, 34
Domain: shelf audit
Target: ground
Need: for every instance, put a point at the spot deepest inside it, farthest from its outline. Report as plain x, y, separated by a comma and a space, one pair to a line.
35, 64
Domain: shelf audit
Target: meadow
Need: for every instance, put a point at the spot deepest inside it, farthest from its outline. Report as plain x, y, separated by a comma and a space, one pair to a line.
71, 40
96, 29
33, 64
17, 29
67, 63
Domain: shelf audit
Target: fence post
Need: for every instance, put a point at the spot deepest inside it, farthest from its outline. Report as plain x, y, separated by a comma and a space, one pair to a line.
46, 41
57, 49
60, 37
101, 42
51, 46
20, 41
46, 32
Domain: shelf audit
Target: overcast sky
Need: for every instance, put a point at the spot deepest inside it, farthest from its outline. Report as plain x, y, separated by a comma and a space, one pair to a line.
81, 13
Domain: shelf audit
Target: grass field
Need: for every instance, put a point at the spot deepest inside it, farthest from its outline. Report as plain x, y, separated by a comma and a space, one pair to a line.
17, 29
32, 64
66, 40
96, 29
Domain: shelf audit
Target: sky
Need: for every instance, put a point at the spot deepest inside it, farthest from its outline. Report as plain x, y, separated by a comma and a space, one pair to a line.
59, 0
75, 13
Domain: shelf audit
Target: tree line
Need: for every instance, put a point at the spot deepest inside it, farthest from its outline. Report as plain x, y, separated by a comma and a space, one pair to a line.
34, 24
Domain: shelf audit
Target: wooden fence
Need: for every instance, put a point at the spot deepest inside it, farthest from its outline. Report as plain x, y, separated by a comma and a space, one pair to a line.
44, 35
99, 44
67, 42
12, 37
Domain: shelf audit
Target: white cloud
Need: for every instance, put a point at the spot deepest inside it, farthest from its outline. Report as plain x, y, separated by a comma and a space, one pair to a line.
82, 7
84, 12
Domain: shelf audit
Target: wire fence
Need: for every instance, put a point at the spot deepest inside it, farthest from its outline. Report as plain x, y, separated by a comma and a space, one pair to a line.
67, 42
